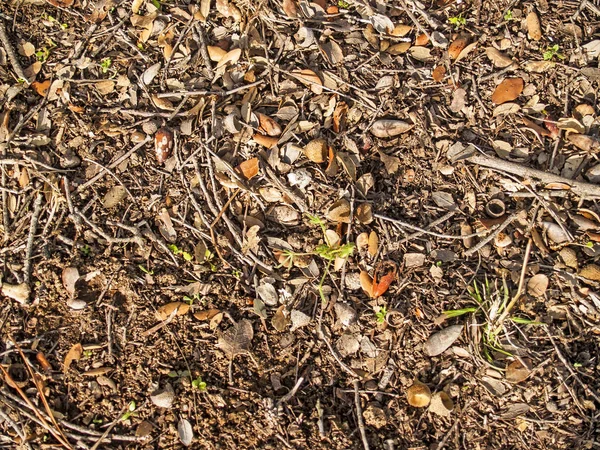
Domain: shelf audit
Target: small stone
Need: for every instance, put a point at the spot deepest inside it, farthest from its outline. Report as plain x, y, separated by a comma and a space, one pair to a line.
163, 398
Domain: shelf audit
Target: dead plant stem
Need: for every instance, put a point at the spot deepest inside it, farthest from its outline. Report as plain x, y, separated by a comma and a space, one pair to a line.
359, 416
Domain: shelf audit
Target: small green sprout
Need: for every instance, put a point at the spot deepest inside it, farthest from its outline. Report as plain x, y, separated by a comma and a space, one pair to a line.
87, 353
130, 410
42, 54
551, 52
577, 365
457, 21
156, 4
381, 314
343, 5
177, 251
105, 64
85, 250
190, 300
140, 46
143, 269
98, 421
199, 384
508, 16
64, 26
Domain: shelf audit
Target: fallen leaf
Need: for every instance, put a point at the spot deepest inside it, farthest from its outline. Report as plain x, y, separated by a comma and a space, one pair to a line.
398, 49
498, 58
390, 127
265, 141
74, 354
592, 48
316, 150
438, 73
309, 78
290, 8
237, 339
114, 196
534, 28
298, 319
364, 213
231, 57
516, 372
163, 398
339, 117
215, 53
441, 404
508, 90
207, 314
176, 308
439, 342
339, 211
382, 23
185, 432
537, 285
457, 46
280, 320
251, 240
586, 143
373, 243
366, 282
41, 87
539, 66
70, 275
150, 73
401, 30
385, 274
465, 52
590, 272
391, 163
248, 169
268, 126
61, 3
422, 39
332, 52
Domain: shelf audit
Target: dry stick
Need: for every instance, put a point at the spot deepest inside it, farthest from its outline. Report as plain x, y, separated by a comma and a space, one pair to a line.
510, 219
37, 209
424, 231
414, 19
219, 93
359, 417
566, 363
517, 295
577, 187
203, 50
10, 52
435, 223
15, 427
113, 165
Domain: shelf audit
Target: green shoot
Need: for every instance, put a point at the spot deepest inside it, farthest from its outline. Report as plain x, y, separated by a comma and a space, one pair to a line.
85, 250
130, 410
143, 269
457, 21
105, 64
156, 4
343, 5
177, 251
381, 314
199, 384
508, 16
190, 300
551, 52
459, 312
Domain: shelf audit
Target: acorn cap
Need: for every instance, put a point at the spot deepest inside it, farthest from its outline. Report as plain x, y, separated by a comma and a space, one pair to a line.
418, 395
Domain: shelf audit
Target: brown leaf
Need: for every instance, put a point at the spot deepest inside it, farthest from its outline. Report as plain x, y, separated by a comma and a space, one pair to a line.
268, 126
215, 53
398, 49
498, 58
401, 30
390, 127
309, 78
248, 169
457, 46
73, 355
364, 213
508, 90
438, 73
584, 142
279, 320
41, 87
366, 282
537, 285
332, 52
516, 372
385, 274
339, 117
207, 314
165, 311
316, 150
237, 339
231, 57
534, 28
591, 272
290, 9
265, 141
422, 39
373, 243
228, 9
339, 211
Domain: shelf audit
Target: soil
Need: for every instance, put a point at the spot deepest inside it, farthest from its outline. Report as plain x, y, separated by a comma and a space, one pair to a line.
197, 278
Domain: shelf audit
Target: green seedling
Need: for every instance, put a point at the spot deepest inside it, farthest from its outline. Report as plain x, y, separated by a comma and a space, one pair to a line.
85, 250
190, 300
87, 353
143, 269
381, 314
508, 16
177, 251
457, 21
199, 384
492, 300
343, 5
179, 374
156, 4
130, 411
105, 65
42, 54
551, 52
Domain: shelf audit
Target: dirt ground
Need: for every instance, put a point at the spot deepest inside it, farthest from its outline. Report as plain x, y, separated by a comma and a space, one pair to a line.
277, 224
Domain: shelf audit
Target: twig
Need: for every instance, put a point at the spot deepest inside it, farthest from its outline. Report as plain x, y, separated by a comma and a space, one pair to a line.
37, 209
435, 223
424, 231
15, 427
359, 417
10, 52
414, 19
577, 187
113, 165
566, 363
510, 219
219, 93
517, 295
203, 50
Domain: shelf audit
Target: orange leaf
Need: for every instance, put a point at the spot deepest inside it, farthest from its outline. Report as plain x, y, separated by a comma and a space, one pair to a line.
421, 39
457, 46
41, 87
438, 73
339, 117
366, 282
385, 273
73, 355
265, 141
508, 90
248, 169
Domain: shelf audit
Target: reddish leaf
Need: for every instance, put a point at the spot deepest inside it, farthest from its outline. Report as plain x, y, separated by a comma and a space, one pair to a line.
385, 273
248, 169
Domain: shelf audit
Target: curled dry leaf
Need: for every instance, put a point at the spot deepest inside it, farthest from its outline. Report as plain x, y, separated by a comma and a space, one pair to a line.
316, 150
508, 90
237, 339
248, 169
73, 354
418, 395
537, 285
385, 274
265, 141
441, 404
389, 128
339, 211
163, 144
268, 126
364, 213
534, 28
41, 87
309, 78
498, 58
517, 372
339, 117
175, 308
215, 53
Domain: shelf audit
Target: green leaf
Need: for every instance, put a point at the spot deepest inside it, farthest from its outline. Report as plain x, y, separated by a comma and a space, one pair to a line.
187, 256
459, 312
523, 321
156, 4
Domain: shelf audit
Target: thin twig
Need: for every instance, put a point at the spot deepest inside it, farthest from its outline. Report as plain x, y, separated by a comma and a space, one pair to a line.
10, 52
510, 219
203, 50
218, 93
424, 231
359, 417
37, 209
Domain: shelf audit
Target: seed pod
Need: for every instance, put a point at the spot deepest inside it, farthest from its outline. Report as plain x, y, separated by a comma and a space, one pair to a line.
163, 144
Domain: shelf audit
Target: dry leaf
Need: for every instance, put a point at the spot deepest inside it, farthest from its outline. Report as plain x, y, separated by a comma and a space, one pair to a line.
390, 127
339, 117
591, 272
508, 90
332, 52
441, 404
150, 73
465, 52
385, 274
74, 354
231, 57
539, 66
439, 342
438, 73
457, 46
268, 126
537, 285
516, 372
339, 211
498, 58
534, 28
207, 314
105, 87
215, 53
61, 3
265, 141
382, 23
366, 282
373, 243
228, 9
290, 8
237, 339
316, 150
41, 87
422, 39
398, 49
401, 30
309, 78
70, 275
586, 143
185, 432
248, 169
251, 240
279, 320
176, 308
364, 213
